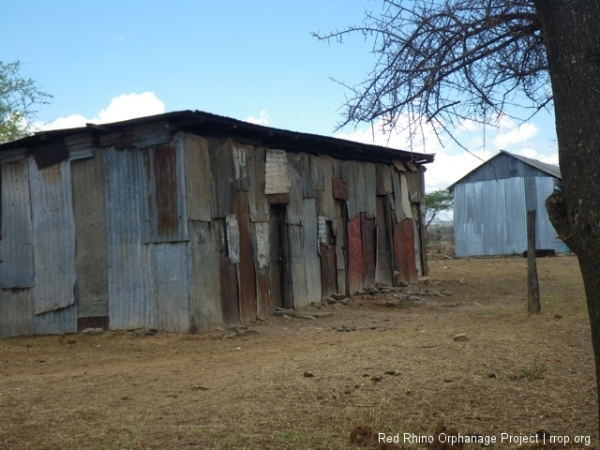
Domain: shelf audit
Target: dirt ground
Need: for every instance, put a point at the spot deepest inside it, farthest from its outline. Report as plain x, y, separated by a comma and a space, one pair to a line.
391, 364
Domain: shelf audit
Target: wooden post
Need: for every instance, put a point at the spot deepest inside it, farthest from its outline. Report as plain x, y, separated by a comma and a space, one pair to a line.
533, 286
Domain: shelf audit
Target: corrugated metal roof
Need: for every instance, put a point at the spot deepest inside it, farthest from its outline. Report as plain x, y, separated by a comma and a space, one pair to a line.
214, 125
550, 169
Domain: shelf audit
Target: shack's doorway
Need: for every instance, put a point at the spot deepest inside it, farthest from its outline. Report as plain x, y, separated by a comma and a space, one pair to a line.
279, 261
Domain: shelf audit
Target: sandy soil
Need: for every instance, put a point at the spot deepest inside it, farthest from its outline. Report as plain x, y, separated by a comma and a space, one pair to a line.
391, 364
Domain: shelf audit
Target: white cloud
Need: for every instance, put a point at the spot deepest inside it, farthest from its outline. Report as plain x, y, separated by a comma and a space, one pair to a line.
130, 106
123, 107
262, 119
518, 135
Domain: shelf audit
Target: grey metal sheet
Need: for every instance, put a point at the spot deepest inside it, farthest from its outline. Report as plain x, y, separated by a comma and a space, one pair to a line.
312, 260
16, 242
221, 167
170, 285
11, 156
81, 146
91, 258
56, 322
53, 236
16, 312
295, 207
398, 204
155, 133
297, 266
277, 180
259, 207
129, 279
490, 218
370, 198
406, 196
198, 178
205, 296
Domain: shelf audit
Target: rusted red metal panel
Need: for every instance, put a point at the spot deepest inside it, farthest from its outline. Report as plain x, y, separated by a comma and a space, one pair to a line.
229, 291
369, 246
278, 199
92, 322
328, 269
355, 256
340, 189
246, 266
162, 211
404, 251
383, 224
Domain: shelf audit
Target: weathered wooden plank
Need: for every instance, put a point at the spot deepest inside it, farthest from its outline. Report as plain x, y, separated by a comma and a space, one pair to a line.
404, 251
246, 274
405, 195
355, 256
229, 291
53, 236
370, 197
383, 269
16, 240
198, 178
205, 288
277, 180
369, 248
91, 259
308, 175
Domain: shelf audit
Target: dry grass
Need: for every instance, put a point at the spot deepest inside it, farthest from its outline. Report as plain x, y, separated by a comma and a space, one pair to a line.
398, 371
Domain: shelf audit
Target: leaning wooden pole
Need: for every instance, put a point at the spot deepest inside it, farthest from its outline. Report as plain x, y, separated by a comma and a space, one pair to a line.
533, 286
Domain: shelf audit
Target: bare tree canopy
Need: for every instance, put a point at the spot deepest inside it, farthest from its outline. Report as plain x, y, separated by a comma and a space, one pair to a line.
448, 61
445, 61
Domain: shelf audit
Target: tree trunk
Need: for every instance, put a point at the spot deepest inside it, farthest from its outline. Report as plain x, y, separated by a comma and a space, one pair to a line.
533, 285
571, 32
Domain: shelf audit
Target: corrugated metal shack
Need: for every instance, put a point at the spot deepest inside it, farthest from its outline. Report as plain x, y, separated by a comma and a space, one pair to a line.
491, 204
189, 220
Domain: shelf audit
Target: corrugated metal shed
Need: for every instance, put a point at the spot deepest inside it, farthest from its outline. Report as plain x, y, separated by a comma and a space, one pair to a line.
185, 221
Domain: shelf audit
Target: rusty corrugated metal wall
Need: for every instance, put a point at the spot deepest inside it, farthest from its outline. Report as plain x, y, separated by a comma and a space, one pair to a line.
177, 232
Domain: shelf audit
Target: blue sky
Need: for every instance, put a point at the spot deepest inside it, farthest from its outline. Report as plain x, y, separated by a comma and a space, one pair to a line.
251, 60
